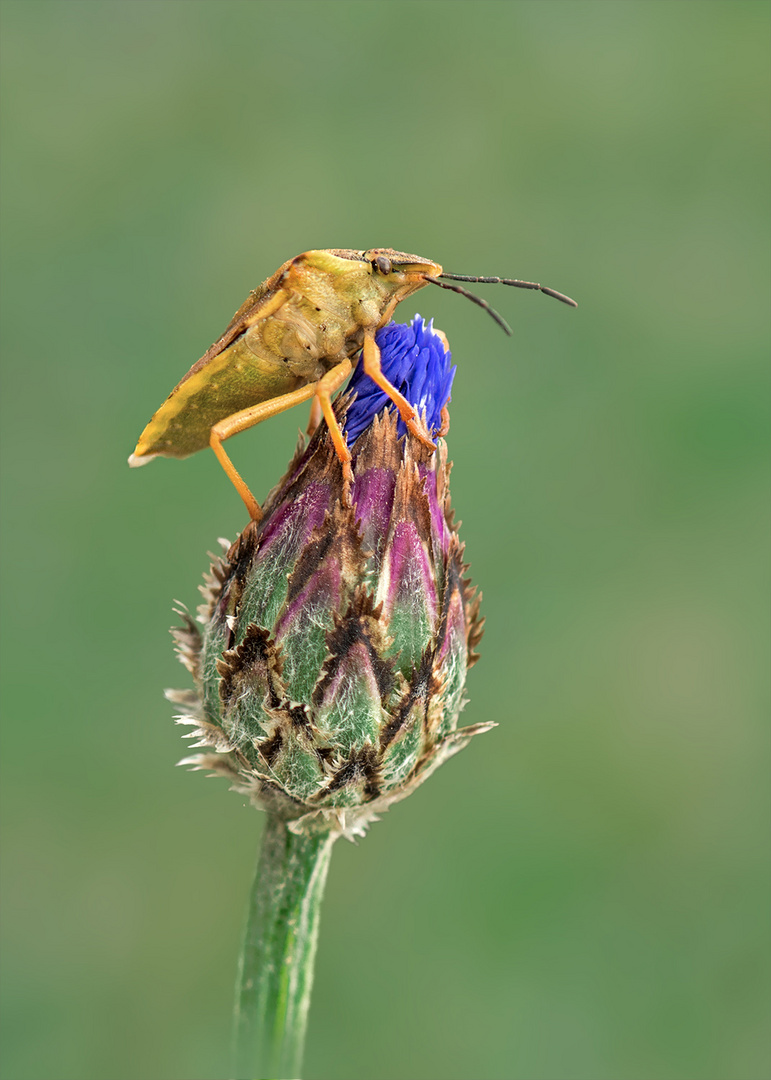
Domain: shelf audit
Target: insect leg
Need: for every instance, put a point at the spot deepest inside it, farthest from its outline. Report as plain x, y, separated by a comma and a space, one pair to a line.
268, 306
315, 417
324, 389
247, 418
246, 316
371, 360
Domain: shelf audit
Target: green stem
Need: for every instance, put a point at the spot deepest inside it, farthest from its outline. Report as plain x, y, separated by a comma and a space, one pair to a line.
275, 970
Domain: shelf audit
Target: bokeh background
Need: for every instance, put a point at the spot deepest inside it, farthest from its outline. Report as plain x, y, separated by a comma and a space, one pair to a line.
582, 894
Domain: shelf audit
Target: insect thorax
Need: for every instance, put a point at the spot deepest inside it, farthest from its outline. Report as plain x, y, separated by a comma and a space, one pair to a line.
304, 338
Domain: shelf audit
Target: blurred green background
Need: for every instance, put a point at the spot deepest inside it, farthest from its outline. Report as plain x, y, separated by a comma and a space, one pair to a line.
582, 894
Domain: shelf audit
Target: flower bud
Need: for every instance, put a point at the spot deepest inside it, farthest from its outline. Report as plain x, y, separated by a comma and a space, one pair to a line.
337, 631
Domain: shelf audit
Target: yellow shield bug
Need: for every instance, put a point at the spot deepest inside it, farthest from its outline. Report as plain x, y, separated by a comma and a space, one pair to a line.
294, 339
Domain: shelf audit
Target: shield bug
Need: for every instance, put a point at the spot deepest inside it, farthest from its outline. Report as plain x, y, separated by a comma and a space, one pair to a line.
295, 338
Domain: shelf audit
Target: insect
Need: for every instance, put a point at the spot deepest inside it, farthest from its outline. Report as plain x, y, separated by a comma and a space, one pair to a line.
295, 338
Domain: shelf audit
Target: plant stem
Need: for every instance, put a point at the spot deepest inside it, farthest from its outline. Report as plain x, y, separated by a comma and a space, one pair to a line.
275, 970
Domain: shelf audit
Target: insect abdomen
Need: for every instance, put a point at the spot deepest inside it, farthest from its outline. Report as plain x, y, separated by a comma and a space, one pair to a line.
227, 384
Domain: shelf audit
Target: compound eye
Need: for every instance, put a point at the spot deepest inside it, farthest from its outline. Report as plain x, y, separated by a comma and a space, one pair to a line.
382, 264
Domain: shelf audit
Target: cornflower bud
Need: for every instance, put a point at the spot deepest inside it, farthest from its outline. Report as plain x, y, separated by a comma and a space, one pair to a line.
337, 631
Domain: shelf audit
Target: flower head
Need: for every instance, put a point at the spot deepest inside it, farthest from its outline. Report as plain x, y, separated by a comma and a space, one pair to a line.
336, 638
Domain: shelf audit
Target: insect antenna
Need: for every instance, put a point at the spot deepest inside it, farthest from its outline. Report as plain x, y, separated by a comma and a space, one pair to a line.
476, 299
511, 281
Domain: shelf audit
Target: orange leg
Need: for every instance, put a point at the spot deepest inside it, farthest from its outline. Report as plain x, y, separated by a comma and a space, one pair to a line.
268, 307
315, 417
241, 421
445, 427
443, 336
325, 387
371, 359
247, 418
